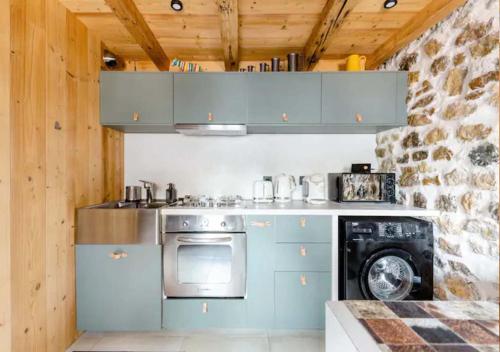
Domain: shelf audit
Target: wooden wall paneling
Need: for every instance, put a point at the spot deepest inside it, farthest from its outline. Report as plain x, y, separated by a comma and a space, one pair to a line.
28, 104
229, 26
5, 277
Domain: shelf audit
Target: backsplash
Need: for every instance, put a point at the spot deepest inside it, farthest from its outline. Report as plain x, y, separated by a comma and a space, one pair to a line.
229, 165
448, 157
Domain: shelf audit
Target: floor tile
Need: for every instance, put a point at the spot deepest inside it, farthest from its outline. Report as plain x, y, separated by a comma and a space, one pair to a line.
454, 348
491, 325
407, 310
370, 310
488, 348
143, 341
85, 342
433, 331
224, 343
297, 342
471, 331
410, 348
392, 331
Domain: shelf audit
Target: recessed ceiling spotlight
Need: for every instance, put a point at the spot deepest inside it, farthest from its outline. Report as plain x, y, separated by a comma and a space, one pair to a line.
176, 5
389, 4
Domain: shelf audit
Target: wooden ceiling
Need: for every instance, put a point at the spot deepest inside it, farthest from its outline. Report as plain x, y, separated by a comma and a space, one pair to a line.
253, 30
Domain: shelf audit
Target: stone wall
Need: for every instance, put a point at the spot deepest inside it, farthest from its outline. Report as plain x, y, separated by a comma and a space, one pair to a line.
447, 158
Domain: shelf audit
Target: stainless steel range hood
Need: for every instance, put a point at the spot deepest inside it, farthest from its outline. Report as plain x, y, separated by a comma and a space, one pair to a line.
189, 129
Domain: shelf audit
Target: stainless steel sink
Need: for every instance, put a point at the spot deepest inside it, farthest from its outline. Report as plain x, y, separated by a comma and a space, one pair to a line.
119, 222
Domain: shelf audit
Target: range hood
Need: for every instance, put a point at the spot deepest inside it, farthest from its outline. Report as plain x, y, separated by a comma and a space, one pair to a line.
189, 129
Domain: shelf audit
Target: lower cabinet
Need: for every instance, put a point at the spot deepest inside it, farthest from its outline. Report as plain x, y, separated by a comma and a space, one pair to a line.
118, 287
300, 299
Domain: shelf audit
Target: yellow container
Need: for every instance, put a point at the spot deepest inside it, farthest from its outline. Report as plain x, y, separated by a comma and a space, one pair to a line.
355, 63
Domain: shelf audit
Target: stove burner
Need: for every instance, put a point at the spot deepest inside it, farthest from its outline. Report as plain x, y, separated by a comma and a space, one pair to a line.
209, 202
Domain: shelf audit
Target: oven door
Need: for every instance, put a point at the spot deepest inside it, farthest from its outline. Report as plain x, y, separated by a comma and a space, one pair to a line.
204, 264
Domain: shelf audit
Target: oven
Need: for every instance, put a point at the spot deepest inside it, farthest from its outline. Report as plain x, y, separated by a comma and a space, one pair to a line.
204, 256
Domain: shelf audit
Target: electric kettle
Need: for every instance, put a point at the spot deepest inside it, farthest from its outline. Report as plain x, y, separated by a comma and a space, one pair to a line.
263, 192
313, 189
283, 188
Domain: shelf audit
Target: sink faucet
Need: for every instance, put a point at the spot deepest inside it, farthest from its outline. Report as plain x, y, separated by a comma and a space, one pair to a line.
149, 186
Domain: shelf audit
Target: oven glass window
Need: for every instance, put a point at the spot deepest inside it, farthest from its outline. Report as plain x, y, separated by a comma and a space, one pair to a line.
204, 264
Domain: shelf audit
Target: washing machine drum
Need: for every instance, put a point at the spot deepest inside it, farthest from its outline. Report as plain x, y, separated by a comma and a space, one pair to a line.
388, 275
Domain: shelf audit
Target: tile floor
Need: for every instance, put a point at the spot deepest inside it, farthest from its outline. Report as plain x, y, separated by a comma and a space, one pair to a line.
202, 341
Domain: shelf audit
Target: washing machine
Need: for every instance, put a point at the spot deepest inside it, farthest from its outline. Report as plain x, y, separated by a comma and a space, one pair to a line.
385, 258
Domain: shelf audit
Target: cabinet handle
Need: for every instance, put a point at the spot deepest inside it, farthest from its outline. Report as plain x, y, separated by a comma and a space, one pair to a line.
260, 224
303, 280
284, 117
303, 251
118, 255
136, 116
204, 307
210, 116
302, 222
358, 117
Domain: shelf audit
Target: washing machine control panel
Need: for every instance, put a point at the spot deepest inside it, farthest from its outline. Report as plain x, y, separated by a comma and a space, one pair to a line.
390, 231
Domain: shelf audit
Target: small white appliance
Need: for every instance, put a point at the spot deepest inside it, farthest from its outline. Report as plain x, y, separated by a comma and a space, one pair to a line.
313, 189
263, 192
283, 188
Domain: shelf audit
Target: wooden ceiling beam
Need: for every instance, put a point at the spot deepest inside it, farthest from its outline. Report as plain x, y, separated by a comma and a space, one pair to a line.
332, 16
433, 13
128, 14
228, 13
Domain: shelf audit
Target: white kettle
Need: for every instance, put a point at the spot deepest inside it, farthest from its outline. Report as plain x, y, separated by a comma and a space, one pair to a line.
263, 192
283, 188
313, 189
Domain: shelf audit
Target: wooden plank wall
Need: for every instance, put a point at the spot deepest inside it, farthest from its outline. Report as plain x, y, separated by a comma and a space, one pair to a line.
5, 299
61, 159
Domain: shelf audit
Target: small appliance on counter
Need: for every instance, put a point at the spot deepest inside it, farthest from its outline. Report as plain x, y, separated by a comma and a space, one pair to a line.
133, 193
385, 258
313, 189
171, 194
263, 191
362, 187
283, 188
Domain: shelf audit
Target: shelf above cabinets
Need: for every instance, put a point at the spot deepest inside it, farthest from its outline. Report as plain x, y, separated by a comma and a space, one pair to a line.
284, 102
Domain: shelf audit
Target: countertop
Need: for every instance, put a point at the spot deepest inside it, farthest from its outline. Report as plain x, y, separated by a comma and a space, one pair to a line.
301, 208
414, 325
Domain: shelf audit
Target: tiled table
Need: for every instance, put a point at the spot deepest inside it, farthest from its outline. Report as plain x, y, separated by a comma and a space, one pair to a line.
450, 326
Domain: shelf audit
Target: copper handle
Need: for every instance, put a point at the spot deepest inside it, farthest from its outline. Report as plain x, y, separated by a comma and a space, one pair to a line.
136, 116
118, 255
260, 224
284, 117
210, 116
358, 117
303, 251
302, 222
303, 280
204, 307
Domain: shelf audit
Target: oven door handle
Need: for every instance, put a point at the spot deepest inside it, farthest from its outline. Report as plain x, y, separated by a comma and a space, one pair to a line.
204, 240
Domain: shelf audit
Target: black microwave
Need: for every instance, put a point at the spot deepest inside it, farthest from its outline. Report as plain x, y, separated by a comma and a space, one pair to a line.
362, 187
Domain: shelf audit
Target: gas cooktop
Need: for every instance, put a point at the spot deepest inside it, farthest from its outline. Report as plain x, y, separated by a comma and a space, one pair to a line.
204, 201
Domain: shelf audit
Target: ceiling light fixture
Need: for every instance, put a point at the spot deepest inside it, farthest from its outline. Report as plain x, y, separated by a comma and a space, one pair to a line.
389, 4
176, 5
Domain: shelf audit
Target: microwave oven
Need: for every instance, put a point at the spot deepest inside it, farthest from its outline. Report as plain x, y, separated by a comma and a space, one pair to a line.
362, 187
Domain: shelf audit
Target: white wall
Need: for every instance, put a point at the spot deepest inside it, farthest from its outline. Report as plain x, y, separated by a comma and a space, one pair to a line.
229, 165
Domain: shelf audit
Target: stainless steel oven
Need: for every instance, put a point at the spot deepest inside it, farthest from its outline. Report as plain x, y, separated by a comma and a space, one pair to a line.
204, 256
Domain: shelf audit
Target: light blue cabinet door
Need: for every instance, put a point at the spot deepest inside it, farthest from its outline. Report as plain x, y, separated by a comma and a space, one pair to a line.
284, 98
300, 299
260, 271
137, 98
211, 98
118, 294
312, 228
204, 314
402, 92
372, 95
304, 256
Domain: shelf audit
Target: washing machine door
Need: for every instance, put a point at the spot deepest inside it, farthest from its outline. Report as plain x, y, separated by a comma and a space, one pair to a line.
388, 275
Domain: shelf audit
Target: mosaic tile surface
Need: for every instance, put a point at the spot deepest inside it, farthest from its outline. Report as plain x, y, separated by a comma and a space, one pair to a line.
448, 326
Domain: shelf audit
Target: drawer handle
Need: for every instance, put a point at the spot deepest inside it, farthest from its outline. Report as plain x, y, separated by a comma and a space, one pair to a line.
303, 251
302, 222
303, 280
260, 224
204, 307
358, 117
284, 117
210, 116
136, 116
118, 255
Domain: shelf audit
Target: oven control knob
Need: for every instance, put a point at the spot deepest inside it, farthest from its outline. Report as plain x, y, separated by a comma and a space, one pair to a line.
223, 224
204, 222
185, 223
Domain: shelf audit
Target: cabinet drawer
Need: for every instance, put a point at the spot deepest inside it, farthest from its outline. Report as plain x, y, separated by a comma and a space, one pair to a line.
203, 314
305, 256
118, 287
303, 229
300, 299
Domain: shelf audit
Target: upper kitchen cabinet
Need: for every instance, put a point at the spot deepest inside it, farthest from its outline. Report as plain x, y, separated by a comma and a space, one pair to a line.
137, 101
210, 98
364, 98
284, 98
